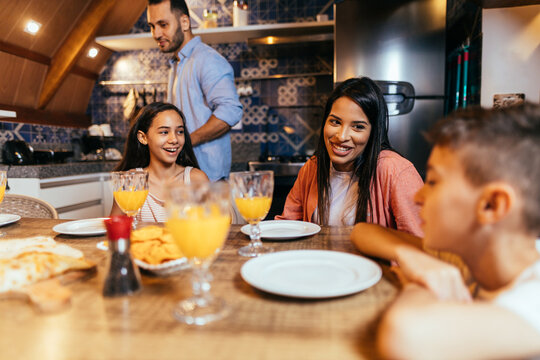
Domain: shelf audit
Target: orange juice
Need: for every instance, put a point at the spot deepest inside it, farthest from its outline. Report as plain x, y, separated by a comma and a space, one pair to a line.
255, 208
198, 235
2, 192
130, 201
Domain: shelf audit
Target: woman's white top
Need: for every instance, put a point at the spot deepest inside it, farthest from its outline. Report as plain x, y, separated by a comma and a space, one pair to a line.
153, 209
343, 197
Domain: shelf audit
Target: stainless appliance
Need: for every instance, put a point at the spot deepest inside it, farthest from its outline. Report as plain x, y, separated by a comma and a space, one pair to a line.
401, 44
17, 152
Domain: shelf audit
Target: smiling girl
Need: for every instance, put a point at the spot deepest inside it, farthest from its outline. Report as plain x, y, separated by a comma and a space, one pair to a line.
355, 175
159, 143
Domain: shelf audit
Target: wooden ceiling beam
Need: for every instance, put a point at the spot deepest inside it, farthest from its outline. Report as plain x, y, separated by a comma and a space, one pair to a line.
42, 59
66, 56
43, 117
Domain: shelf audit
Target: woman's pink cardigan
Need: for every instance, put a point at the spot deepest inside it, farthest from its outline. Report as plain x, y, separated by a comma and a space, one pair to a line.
392, 195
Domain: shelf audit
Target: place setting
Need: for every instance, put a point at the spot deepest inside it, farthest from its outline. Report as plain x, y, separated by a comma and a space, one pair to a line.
308, 274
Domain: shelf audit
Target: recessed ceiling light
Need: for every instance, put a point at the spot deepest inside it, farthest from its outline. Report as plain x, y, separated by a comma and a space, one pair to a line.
32, 27
92, 53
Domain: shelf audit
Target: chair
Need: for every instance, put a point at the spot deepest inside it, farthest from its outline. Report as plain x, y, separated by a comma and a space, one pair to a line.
27, 206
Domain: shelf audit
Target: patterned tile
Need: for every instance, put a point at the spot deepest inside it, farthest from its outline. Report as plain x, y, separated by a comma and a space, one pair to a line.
272, 105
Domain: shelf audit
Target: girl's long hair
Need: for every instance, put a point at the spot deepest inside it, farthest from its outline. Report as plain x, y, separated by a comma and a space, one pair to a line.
366, 94
137, 155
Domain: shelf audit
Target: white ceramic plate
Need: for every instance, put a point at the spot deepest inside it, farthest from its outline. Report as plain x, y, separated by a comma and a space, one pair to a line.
167, 268
87, 227
284, 229
8, 219
312, 274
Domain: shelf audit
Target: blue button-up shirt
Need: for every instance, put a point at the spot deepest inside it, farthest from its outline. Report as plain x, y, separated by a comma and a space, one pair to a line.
201, 83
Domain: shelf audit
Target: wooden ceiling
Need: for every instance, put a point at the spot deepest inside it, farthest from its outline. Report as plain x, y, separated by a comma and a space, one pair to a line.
47, 78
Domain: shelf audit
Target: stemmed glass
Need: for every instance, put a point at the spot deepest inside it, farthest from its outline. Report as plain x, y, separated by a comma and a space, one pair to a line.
3, 182
130, 189
198, 218
252, 194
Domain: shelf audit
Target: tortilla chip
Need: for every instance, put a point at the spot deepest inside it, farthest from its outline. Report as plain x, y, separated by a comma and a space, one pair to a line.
154, 245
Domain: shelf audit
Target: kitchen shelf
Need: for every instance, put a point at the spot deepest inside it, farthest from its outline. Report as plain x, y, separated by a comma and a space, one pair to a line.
226, 34
283, 76
160, 82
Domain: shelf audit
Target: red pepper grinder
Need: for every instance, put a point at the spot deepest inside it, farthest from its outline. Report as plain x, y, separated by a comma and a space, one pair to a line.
123, 277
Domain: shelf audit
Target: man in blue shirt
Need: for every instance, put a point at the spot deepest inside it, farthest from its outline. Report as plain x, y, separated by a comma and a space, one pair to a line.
201, 84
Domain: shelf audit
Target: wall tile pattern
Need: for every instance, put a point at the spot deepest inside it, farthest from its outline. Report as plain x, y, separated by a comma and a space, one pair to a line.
281, 116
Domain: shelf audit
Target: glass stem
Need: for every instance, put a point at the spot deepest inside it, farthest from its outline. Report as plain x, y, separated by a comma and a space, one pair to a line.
255, 236
201, 282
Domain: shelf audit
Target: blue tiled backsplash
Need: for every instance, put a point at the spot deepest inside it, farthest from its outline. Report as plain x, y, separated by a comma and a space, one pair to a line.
281, 116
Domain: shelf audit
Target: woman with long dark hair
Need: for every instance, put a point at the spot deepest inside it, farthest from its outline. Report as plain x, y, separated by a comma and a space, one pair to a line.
159, 142
355, 175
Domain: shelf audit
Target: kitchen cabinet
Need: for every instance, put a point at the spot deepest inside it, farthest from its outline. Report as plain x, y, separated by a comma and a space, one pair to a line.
73, 197
302, 31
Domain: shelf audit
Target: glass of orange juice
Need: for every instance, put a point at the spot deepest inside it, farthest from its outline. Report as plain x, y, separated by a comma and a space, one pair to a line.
198, 218
3, 182
252, 193
130, 189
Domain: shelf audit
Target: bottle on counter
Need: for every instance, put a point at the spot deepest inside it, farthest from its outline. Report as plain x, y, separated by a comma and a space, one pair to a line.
240, 13
123, 277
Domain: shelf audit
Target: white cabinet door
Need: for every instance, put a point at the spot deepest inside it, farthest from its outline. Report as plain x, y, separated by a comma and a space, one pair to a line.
73, 197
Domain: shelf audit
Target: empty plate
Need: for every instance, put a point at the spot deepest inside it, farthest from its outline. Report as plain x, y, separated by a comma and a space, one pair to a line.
284, 229
311, 273
87, 227
8, 219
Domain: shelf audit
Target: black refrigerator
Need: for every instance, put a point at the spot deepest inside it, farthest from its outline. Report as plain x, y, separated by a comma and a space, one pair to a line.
401, 45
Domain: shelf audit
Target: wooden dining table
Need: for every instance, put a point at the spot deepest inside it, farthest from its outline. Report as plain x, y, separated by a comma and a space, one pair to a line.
260, 325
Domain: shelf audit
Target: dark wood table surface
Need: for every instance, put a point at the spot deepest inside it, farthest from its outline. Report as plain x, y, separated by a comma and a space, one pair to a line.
261, 325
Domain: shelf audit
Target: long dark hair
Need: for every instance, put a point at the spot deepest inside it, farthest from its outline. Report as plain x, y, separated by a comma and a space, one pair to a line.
137, 155
366, 94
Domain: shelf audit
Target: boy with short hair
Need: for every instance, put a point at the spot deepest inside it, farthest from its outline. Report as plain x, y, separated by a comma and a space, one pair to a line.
480, 201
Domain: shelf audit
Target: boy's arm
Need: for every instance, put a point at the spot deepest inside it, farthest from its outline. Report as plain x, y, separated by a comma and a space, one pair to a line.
418, 326
375, 240
415, 265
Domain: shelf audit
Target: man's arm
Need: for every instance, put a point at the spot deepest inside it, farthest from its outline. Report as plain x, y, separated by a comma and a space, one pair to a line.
216, 77
418, 326
213, 129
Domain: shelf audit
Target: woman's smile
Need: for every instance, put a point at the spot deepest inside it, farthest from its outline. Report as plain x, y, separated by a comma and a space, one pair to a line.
346, 133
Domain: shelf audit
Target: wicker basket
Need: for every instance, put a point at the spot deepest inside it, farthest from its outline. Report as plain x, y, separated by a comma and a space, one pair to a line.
27, 206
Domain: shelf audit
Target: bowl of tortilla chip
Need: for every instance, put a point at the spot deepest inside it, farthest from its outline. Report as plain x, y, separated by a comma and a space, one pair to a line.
153, 249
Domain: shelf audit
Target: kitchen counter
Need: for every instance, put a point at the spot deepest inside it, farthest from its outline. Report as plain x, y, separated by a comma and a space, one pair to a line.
56, 170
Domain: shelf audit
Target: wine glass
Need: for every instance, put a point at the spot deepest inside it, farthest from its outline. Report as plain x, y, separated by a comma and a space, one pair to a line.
3, 182
198, 218
130, 189
252, 194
